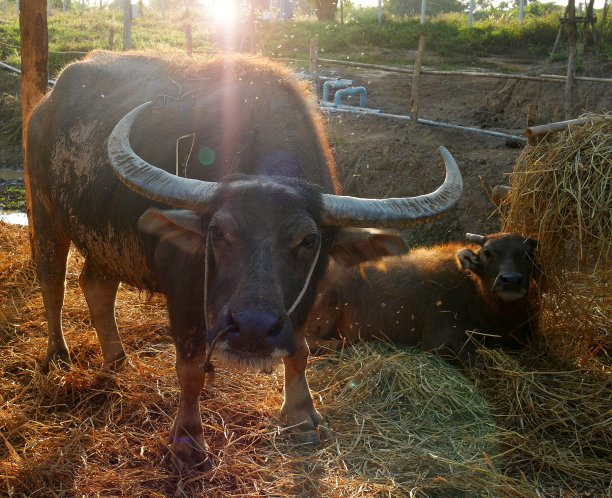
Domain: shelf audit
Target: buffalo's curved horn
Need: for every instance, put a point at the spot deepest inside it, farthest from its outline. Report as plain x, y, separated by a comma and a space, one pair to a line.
148, 180
477, 239
399, 212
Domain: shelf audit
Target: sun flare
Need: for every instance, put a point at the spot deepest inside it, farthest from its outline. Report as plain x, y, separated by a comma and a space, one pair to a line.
225, 13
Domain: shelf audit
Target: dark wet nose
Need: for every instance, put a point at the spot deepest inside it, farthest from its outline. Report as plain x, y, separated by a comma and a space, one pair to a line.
509, 281
257, 323
256, 331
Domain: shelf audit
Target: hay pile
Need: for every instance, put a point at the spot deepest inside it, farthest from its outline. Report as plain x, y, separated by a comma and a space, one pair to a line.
404, 423
561, 194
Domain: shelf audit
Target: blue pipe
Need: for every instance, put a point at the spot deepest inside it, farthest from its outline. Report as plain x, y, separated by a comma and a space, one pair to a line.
352, 90
334, 84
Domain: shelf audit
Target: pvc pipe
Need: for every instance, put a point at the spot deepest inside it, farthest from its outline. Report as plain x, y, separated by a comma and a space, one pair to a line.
340, 83
351, 90
365, 111
18, 71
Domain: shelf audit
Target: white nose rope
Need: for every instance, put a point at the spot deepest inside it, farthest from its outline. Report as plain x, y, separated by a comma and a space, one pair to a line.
207, 365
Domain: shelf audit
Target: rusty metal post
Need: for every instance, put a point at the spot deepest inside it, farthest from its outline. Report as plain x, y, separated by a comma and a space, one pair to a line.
416, 81
34, 76
314, 66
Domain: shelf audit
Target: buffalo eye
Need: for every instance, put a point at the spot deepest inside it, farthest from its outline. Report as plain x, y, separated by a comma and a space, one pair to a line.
486, 254
215, 232
310, 241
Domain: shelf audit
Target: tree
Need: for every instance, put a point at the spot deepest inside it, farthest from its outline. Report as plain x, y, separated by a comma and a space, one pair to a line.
325, 9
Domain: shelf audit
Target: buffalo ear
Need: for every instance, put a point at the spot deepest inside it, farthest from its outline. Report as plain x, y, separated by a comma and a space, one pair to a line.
468, 259
180, 227
533, 243
356, 245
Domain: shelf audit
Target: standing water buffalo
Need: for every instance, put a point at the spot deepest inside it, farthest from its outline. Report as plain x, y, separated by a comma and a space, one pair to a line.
429, 297
242, 162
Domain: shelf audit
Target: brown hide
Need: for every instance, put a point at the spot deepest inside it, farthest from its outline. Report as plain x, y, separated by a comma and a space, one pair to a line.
429, 297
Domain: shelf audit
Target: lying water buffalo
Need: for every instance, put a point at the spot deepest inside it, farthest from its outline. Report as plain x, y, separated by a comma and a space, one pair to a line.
254, 215
429, 297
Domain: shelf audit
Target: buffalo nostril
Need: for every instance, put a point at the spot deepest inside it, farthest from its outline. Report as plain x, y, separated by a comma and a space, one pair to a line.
276, 327
510, 278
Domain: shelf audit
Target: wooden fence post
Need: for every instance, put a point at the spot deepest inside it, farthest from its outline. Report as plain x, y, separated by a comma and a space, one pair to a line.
111, 38
34, 75
603, 24
572, 36
188, 40
416, 81
127, 24
314, 66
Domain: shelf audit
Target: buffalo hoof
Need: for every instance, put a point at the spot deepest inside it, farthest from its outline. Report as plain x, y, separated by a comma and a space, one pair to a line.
321, 433
306, 425
188, 456
58, 359
121, 363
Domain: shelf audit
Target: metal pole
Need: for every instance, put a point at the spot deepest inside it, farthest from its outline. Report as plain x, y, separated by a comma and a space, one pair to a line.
164, 10
82, 7
63, 6
521, 10
379, 12
127, 24
471, 14
423, 11
48, 8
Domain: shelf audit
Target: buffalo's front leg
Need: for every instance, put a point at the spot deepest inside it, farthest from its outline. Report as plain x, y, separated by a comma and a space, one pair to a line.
298, 408
186, 435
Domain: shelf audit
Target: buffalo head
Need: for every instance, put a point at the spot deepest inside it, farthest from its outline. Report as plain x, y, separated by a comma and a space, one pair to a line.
260, 240
504, 264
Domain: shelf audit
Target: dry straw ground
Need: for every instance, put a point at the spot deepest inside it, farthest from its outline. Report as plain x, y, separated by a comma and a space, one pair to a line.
532, 423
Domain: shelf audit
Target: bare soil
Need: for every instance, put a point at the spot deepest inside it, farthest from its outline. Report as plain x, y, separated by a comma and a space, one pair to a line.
385, 157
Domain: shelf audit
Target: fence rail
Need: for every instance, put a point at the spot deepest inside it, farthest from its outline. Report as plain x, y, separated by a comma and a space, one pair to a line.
475, 74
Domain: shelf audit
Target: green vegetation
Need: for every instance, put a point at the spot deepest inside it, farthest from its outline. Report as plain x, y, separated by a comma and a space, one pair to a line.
12, 198
361, 38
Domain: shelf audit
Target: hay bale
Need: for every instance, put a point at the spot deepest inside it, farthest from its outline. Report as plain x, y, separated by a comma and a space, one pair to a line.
561, 194
403, 423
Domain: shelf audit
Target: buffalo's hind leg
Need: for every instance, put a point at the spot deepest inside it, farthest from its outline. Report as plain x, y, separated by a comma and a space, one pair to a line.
100, 292
50, 248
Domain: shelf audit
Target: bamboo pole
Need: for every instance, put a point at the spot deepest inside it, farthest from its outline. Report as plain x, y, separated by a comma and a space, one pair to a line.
416, 81
471, 74
603, 24
571, 62
188, 40
314, 66
532, 133
558, 38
